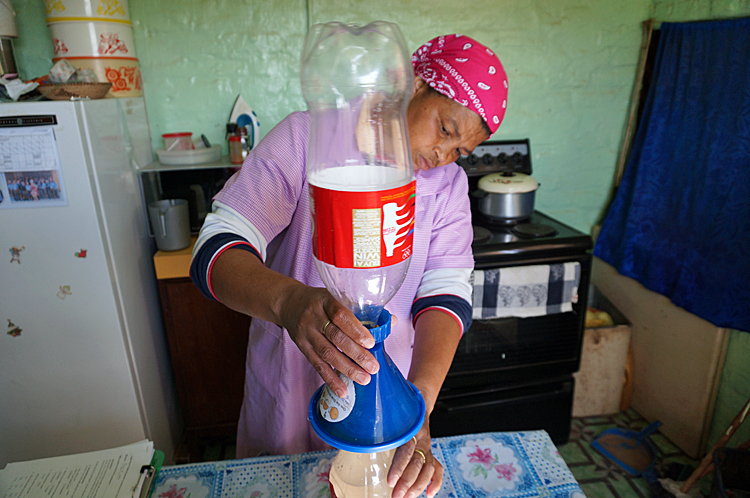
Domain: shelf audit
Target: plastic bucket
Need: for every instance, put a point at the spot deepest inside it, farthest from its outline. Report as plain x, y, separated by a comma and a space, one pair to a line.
92, 39
123, 73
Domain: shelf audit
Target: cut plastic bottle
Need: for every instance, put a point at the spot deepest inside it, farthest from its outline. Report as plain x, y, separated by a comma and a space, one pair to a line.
357, 82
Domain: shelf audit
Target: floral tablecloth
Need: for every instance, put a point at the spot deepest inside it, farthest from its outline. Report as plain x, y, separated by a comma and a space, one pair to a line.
507, 464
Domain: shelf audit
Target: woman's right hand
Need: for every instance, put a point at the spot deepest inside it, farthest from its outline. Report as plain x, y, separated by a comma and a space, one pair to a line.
303, 311
329, 335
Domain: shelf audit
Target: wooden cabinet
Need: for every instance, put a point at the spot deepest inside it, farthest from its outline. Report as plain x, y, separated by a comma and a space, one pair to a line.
207, 343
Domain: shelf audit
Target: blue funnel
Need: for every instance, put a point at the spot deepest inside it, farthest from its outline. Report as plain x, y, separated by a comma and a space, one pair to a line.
380, 416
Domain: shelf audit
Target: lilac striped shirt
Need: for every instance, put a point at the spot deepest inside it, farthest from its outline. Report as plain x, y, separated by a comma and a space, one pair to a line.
265, 208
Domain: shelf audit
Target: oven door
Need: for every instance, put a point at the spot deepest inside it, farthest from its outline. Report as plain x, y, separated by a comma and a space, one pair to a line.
513, 374
513, 349
540, 405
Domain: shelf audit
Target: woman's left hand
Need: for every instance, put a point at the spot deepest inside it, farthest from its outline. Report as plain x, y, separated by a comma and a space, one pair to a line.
414, 471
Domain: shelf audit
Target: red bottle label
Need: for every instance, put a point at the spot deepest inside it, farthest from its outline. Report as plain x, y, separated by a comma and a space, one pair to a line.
362, 229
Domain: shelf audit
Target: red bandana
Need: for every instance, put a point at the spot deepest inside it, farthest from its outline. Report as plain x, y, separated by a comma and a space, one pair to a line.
466, 71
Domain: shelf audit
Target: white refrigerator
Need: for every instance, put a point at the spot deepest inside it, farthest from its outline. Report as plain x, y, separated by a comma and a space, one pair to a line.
84, 363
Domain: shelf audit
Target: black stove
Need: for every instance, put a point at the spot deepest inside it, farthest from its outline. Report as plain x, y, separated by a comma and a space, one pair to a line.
506, 243
512, 374
540, 237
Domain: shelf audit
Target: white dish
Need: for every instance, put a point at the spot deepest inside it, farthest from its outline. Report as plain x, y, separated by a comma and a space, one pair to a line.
195, 156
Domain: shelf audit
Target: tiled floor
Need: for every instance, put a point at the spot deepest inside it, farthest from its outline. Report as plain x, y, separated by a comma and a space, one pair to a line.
600, 478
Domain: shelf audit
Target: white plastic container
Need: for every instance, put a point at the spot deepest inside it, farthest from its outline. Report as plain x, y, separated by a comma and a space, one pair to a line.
92, 39
178, 141
357, 82
195, 156
123, 73
76, 10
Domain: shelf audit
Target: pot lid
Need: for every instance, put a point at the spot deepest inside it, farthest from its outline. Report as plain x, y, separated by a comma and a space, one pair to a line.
508, 183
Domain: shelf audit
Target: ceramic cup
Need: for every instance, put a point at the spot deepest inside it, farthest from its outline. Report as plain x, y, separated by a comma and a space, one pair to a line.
170, 221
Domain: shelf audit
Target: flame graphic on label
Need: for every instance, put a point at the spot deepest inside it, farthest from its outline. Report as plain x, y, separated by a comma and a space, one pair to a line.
392, 230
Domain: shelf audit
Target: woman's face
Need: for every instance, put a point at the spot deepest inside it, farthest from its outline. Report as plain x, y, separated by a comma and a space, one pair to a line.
440, 129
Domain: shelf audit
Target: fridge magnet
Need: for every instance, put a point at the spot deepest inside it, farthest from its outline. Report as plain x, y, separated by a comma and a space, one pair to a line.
13, 329
81, 253
64, 291
15, 254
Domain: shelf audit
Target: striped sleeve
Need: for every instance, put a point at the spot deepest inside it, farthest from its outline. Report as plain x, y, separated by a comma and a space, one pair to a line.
447, 290
223, 229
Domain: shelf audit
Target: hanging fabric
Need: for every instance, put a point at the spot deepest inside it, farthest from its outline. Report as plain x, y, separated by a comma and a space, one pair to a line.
680, 222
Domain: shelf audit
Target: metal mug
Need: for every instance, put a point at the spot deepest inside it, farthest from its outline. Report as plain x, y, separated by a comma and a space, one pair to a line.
170, 221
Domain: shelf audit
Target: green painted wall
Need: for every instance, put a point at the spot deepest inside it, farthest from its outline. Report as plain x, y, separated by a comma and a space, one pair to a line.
570, 64
33, 47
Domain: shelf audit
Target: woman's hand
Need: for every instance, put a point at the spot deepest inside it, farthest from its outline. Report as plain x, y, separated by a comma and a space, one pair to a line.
435, 340
414, 471
329, 335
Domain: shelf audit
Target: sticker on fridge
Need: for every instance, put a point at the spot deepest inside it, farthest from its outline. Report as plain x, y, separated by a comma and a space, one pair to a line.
64, 291
30, 173
13, 329
15, 254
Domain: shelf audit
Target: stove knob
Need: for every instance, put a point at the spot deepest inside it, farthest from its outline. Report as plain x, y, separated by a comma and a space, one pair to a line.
472, 159
502, 158
487, 158
517, 158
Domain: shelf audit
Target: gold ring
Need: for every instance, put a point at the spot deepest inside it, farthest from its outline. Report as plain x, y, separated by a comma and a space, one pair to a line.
326, 325
415, 440
424, 457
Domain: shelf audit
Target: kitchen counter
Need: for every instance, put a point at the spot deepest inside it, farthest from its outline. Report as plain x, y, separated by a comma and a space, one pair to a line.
476, 465
174, 264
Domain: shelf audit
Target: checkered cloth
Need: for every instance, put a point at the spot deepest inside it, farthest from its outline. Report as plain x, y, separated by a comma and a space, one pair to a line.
525, 291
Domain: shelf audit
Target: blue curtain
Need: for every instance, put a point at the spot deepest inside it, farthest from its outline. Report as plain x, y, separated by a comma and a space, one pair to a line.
680, 221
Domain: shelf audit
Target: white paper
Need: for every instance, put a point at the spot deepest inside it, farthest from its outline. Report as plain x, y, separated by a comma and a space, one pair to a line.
112, 473
28, 149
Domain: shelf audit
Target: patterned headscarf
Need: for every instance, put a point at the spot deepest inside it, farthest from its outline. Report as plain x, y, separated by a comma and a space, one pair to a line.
466, 71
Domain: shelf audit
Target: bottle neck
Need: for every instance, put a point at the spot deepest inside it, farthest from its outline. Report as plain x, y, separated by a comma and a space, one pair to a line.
377, 348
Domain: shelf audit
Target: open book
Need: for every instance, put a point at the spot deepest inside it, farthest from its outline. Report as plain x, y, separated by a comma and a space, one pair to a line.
124, 472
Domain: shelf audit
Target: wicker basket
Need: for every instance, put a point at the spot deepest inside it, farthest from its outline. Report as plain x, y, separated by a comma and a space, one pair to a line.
72, 91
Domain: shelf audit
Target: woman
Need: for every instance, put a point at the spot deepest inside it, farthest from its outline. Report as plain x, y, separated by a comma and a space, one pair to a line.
254, 254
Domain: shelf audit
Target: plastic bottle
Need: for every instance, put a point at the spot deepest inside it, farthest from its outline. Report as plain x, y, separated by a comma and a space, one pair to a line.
245, 146
357, 82
360, 475
235, 149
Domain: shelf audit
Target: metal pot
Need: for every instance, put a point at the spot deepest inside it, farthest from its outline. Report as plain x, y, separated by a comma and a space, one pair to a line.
506, 197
